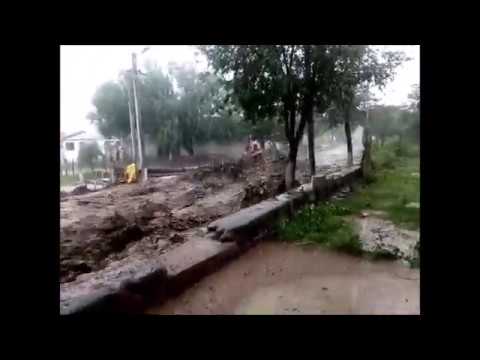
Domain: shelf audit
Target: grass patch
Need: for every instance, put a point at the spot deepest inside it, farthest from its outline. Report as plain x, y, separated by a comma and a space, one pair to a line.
393, 187
321, 225
67, 180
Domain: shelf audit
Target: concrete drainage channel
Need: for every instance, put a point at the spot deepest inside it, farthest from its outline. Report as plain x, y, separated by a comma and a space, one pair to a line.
223, 240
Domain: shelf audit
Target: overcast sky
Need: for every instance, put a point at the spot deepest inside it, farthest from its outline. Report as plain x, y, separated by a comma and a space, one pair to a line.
83, 68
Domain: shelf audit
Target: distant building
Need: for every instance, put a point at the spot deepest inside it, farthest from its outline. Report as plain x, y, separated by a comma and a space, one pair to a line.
70, 148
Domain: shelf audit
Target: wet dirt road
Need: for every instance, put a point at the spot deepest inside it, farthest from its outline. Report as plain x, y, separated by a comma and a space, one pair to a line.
279, 278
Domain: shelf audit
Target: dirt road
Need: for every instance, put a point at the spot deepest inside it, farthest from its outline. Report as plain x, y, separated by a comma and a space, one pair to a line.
279, 278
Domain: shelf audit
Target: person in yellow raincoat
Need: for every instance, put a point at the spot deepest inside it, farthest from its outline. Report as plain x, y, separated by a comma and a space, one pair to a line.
131, 173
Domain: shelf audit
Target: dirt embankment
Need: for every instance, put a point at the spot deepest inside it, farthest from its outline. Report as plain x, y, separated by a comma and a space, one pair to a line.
126, 220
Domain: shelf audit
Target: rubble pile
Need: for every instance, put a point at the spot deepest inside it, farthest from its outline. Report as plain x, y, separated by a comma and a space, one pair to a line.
98, 228
382, 237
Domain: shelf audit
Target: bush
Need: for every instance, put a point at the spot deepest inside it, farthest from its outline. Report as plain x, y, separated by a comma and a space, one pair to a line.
321, 225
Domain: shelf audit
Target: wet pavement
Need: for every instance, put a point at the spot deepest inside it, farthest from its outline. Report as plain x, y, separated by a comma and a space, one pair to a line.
287, 279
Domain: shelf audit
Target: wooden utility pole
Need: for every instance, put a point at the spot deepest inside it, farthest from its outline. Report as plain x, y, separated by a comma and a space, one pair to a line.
137, 112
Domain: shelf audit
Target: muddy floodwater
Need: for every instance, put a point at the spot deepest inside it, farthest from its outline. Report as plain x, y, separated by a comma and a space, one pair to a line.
280, 278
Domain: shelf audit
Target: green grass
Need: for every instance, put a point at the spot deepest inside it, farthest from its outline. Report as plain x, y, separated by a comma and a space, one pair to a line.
66, 180
392, 189
321, 225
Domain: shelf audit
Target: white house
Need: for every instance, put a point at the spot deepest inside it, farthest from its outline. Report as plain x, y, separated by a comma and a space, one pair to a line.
70, 148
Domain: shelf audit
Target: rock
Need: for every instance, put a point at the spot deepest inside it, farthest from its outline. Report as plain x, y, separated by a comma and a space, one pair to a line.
80, 190
76, 265
161, 244
364, 214
176, 238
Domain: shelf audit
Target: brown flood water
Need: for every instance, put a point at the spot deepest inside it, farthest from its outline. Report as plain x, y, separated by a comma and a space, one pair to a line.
279, 278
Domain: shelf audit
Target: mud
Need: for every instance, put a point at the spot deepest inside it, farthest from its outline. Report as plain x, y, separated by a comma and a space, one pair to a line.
279, 278
97, 228
108, 225
107, 234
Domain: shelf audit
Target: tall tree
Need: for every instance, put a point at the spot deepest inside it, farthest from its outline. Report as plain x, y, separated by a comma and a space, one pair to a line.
278, 81
357, 65
111, 116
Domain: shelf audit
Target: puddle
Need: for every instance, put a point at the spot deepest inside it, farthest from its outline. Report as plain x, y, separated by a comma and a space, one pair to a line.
287, 279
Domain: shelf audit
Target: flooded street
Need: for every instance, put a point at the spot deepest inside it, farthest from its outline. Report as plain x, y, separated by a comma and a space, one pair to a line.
280, 278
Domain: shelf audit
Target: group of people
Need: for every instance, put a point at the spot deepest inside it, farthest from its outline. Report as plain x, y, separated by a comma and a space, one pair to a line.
254, 149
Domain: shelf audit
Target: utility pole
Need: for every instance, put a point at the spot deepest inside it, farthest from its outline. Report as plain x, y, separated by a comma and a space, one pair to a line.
137, 112
131, 117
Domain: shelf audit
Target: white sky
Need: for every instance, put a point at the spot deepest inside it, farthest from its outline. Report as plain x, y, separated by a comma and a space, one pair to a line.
83, 68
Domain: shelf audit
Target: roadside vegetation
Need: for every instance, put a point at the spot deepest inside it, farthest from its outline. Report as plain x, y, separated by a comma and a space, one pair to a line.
67, 180
88, 175
393, 189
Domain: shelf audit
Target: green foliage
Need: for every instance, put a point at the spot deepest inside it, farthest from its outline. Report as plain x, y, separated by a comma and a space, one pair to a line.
66, 180
111, 116
89, 155
389, 121
321, 225
394, 187
198, 111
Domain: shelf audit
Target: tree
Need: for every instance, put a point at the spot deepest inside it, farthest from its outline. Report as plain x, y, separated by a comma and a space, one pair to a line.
158, 109
356, 66
89, 154
414, 98
204, 110
197, 111
383, 121
278, 81
365, 101
111, 116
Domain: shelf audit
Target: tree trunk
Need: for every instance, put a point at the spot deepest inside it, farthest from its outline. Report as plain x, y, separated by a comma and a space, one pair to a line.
308, 108
311, 145
291, 166
348, 134
189, 148
294, 143
367, 164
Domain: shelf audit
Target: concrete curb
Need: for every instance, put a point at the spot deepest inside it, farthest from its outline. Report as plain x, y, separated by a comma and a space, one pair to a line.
175, 271
244, 224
